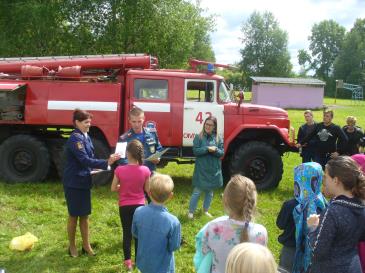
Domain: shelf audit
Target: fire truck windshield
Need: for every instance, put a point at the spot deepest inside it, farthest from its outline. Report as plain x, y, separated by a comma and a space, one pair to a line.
223, 93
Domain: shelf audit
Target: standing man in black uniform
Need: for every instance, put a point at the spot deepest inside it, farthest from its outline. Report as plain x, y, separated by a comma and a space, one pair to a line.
331, 139
309, 149
354, 135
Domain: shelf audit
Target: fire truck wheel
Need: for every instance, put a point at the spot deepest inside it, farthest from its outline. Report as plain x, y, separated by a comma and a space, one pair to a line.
24, 159
260, 162
102, 151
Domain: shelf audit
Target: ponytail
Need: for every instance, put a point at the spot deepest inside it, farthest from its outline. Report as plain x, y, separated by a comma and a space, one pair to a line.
244, 233
240, 201
359, 189
135, 149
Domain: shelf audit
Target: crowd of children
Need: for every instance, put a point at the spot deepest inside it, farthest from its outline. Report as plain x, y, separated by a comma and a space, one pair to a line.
318, 236
328, 236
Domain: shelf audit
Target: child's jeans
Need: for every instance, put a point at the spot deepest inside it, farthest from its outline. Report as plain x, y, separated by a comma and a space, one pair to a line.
287, 256
195, 199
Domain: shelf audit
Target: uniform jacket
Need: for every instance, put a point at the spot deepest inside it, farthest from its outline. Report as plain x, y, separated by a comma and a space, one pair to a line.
354, 140
208, 166
330, 138
79, 152
151, 144
305, 130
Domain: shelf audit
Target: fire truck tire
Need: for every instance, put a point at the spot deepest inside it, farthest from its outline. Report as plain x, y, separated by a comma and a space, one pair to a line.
102, 151
260, 162
23, 159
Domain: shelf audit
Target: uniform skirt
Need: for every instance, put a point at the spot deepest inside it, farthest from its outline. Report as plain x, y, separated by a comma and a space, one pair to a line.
78, 201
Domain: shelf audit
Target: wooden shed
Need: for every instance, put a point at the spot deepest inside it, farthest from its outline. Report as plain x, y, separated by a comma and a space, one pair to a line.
298, 93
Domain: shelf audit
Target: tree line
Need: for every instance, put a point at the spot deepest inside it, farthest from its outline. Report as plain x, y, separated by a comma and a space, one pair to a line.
173, 30
333, 53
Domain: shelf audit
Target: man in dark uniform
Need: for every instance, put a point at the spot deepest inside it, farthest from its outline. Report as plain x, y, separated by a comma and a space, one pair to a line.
308, 150
354, 135
331, 139
146, 135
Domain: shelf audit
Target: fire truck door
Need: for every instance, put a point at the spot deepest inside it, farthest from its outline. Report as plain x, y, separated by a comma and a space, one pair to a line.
200, 102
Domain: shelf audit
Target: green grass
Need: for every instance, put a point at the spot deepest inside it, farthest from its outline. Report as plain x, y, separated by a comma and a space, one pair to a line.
41, 210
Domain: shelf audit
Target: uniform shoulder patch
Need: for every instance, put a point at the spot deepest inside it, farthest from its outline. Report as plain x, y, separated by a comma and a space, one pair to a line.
79, 145
151, 126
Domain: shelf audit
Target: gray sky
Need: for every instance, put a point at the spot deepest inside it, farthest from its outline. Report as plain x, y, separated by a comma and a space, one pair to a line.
296, 17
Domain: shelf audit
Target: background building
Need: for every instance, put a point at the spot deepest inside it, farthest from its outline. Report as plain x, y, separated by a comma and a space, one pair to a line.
288, 92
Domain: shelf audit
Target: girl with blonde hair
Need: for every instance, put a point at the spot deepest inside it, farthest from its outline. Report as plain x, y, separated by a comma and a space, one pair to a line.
250, 258
220, 235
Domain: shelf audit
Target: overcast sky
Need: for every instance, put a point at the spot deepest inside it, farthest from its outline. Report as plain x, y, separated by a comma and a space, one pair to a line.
296, 17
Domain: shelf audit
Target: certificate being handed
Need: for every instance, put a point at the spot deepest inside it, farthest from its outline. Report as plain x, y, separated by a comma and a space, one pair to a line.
120, 148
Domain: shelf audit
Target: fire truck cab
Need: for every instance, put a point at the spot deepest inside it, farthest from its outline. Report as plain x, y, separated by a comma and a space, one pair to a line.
38, 96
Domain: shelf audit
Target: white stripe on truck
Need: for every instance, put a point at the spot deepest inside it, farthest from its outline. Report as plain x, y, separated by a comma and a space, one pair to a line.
153, 106
84, 105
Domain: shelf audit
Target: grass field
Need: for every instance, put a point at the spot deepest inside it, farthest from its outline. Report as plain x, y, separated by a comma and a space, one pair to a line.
41, 210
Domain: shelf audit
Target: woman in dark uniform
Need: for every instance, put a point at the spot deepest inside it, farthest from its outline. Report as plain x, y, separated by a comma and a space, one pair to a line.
77, 180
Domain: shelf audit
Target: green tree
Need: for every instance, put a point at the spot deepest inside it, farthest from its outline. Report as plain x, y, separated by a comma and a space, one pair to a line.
325, 44
173, 30
31, 28
305, 61
233, 77
265, 51
350, 63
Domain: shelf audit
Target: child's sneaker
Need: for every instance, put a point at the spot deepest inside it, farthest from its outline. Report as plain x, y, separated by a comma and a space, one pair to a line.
190, 215
208, 214
128, 265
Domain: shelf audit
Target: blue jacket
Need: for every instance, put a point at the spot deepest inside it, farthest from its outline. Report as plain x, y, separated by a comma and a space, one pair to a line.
79, 152
150, 142
159, 235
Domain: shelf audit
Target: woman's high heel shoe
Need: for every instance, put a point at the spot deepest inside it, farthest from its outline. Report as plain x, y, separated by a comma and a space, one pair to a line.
87, 253
71, 255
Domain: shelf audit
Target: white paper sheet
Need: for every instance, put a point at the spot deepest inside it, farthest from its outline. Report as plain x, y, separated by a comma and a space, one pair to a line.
120, 149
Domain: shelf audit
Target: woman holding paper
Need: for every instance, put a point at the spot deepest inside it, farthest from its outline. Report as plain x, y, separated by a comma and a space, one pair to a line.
80, 160
208, 149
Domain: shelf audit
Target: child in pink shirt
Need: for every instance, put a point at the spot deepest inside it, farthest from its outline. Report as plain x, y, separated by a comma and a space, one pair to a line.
130, 181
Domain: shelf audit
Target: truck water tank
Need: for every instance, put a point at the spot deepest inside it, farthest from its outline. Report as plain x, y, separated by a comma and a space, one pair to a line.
69, 71
31, 71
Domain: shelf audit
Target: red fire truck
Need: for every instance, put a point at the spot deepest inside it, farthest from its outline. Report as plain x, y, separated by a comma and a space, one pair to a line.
38, 96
